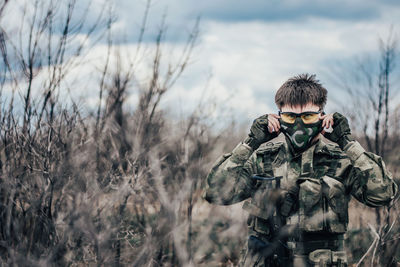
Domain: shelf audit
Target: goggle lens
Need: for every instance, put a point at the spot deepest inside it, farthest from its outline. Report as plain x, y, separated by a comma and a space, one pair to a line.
309, 118
306, 117
288, 117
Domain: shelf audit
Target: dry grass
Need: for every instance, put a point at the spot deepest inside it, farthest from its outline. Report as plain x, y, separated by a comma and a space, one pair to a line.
116, 186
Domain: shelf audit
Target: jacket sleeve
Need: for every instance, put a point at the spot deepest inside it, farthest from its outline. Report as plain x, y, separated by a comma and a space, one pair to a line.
229, 180
367, 179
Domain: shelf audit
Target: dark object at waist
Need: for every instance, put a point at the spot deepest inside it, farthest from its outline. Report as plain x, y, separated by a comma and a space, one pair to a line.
320, 236
309, 242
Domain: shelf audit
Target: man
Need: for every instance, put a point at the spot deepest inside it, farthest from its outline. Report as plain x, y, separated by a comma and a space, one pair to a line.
298, 190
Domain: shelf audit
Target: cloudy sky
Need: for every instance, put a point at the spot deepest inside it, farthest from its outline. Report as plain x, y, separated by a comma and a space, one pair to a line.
247, 48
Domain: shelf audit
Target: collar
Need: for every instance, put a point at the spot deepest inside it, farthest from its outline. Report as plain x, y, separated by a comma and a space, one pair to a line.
318, 145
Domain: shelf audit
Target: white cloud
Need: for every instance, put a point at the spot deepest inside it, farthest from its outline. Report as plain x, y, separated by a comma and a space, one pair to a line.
248, 61
255, 58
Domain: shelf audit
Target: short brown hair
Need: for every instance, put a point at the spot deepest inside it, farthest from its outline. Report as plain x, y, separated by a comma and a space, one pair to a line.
300, 90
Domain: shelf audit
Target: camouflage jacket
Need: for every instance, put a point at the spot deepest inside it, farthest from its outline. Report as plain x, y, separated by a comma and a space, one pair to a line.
322, 178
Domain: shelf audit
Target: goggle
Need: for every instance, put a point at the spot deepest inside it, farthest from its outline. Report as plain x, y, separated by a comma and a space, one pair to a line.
307, 117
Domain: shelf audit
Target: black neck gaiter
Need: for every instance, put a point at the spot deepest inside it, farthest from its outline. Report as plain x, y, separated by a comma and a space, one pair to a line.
300, 134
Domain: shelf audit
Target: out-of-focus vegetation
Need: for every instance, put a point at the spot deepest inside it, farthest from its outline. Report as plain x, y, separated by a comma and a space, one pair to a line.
371, 85
116, 186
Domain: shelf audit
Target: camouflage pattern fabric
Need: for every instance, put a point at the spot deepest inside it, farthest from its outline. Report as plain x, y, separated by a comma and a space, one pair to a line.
340, 129
323, 177
259, 132
299, 133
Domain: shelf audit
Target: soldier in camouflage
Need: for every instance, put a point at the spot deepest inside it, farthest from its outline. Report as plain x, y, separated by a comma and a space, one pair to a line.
298, 190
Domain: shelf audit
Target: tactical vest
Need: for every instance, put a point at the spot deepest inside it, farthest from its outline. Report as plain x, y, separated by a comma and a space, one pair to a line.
322, 203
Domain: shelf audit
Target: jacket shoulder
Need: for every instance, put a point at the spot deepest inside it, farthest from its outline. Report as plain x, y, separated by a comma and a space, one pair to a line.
269, 147
332, 149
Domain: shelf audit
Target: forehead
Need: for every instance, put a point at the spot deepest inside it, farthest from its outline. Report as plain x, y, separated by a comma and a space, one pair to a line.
299, 109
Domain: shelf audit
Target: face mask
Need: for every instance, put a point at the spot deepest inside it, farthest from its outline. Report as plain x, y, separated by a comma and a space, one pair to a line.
300, 134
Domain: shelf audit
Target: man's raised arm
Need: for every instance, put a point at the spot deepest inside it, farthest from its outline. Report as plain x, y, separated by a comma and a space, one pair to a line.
229, 180
368, 179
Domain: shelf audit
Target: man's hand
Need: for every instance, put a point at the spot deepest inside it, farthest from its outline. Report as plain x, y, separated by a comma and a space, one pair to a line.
273, 124
263, 129
341, 129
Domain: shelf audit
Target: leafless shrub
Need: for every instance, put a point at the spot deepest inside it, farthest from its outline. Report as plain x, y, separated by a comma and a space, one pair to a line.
371, 86
115, 186
112, 187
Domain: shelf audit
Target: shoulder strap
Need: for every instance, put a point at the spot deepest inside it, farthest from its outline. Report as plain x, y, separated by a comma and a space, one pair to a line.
307, 162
